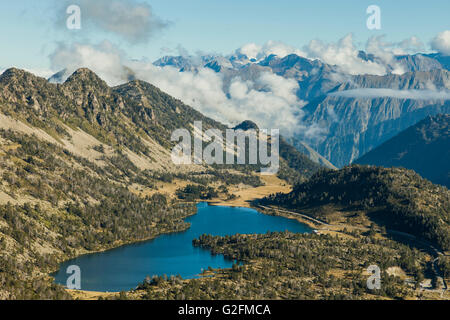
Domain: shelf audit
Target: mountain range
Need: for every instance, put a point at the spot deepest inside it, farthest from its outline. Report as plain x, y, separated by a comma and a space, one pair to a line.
136, 117
352, 122
315, 77
360, 115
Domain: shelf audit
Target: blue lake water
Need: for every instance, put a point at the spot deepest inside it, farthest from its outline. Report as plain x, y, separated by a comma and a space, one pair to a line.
171, 254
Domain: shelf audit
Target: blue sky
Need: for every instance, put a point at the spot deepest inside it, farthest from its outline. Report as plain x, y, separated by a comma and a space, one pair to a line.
31, 29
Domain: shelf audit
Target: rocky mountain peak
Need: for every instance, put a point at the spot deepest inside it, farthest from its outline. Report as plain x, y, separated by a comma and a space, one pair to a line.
86, 79
246, 125
17, 77
12, 73
21, 87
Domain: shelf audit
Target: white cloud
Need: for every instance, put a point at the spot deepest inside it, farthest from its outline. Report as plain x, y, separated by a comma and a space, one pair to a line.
386, 51
258, 52
251, 50
410, 45
275, 106
372, 93
343, 54
132, 20
103, 58
441, 42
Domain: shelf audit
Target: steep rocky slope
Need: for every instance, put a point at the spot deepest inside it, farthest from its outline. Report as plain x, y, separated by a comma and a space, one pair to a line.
424, 148
355, 120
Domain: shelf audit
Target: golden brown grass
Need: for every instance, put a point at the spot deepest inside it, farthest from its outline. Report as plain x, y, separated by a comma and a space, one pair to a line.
246, 194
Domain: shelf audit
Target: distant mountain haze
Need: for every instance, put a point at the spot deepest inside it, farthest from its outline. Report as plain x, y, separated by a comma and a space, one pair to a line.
354, 125
347, 127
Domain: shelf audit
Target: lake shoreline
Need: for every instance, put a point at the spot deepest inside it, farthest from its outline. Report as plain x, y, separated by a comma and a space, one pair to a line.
258, 227
243, 199
118, 245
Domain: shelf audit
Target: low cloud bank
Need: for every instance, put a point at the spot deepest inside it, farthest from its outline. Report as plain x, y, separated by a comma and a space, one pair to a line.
269, 100
259, 52
344, 53
277, 106
441, 43
371, 93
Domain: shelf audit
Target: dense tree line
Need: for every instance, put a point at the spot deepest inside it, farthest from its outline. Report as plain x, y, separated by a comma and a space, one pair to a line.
395, 198
295, 266
77, 207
